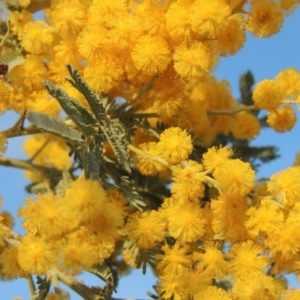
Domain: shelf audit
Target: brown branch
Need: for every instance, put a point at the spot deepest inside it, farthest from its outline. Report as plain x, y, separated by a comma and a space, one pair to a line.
231, 111
6, 36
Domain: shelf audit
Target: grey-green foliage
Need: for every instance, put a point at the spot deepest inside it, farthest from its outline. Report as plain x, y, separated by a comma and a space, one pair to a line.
105, 121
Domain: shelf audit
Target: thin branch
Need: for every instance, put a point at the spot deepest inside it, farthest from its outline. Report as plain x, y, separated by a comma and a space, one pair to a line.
31, 284
21, 132
23, 164
231, 111
143, 89
7, 34
154, 158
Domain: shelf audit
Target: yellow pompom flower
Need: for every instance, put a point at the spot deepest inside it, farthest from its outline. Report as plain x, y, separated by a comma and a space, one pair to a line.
268, 94
188, 181
36, 255
186, 222
77, 255
145, 165
175, 145
173, 260
235, 178
194, 61
255, 286
212, 293
6, 92
285, 186
31, 74
245, 126
230, 38
216, 157
18, 21
93, 42
246, 258
85, 198
211, 259
229, 216
284, 239
68, 17
178, 22
104, 73
151, 54
207, 16
282, 119
37, 37
289, 80
146, 229
263, 218
9, 263
265, 19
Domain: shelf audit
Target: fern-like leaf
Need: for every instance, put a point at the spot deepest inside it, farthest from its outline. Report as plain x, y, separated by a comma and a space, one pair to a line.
54, 126
90, 165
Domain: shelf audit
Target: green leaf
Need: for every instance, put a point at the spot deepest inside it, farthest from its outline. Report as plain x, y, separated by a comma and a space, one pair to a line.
54, 126
93, 100
84, 120
43, 288
90, 165
63, 184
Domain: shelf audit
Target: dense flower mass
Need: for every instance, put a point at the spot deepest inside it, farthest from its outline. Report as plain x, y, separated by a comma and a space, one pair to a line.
149, 164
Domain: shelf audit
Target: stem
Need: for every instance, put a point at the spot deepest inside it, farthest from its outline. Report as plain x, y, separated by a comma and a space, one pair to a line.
143, 89
154, 158
231, 111
31, 284
6, 36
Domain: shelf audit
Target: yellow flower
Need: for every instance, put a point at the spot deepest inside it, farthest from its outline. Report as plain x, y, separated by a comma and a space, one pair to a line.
146, 229
268, 94
194, 61
212, 293
41, 102
174, 259
9, 263
265, 19
235, 178
104, 73
31, 74
77, 255
282, 119
284, 239
85, 198
289, 80
36, 255
246, 258
18, 20
125, 30
178, 22
93, 42
151, 55
215, 157
68, 17
264, 218
229, 216
207, 16
285, 186
175, 145
230, 38
257, 286
145, 165
211, 259
245, 126
37, 37
188, 181
186, 223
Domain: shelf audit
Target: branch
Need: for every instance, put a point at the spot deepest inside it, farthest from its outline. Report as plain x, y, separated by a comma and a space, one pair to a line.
231, 111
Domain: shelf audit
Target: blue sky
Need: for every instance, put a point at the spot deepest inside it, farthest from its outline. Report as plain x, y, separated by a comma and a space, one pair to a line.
264, 57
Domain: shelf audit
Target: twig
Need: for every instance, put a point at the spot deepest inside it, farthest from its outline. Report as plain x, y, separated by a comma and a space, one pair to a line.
154, 158
231, 111
143, 89
6, 36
